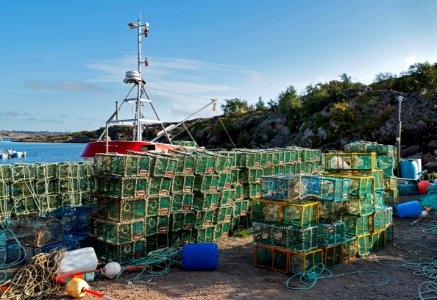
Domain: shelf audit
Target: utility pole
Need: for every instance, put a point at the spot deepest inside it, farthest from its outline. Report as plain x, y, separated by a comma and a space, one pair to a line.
398, 139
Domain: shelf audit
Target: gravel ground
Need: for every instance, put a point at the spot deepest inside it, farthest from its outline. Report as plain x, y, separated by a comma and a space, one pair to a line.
237, 278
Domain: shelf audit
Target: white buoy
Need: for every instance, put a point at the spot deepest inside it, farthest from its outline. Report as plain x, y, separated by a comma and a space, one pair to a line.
111, 269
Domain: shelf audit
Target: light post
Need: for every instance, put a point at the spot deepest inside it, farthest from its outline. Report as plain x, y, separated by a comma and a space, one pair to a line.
398, 139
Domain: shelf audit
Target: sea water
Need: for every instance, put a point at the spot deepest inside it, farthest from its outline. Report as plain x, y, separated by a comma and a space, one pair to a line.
43, 152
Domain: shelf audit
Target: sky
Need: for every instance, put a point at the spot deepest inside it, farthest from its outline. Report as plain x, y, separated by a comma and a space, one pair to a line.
62, 63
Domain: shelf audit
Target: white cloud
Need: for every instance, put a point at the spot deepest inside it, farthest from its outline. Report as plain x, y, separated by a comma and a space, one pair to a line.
411, 60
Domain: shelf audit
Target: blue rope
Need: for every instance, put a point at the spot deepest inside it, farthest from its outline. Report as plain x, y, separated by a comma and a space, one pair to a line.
308, 279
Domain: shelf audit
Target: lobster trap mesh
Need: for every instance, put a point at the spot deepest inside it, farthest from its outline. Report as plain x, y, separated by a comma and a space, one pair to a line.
333, 255
331, 212
338, 161
206, 183
331, 234
302, 262
158, 206
363, 244
356, 225
206, 200
117, 233
183, 184
182, 202
204, 235
122, 187
122, 210
223, 214
378, 221
377, 241
360, 206
182, 220
350, 249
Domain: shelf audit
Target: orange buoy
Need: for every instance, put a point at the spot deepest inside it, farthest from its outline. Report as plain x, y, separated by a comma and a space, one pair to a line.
423, 186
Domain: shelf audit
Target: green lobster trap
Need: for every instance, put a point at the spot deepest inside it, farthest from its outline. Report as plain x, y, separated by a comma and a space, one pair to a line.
377, 241
225, 181
331, 212
157, 225
183, 184
239, 192
182, 202
159, 186
240, 223
182, 220
253, 191
122, 254
122, 210
185, 164
46, 187
386, 163
360, 206
116, 233
333, 255
204, 218
75, 199
251, 158
45, 171
223, 214
206, 183
158, 206
122, 165
227, 197
237, 176
268, 171
378, 201
290, 238
363, 244
334, 189
331, 234
206, 201
223, 163
221, 231
205, 164
180, 238
389, 216
391, 197
339, 162
356, 225
240, 208
299, 262
377, 221
252, 175
279, 170
350, 249
122, 187
290, 187
390, 183
365, 146
270, 258
389, 234
235, 158
158, 241
67, 170
204, 235
162, 165
20, 172
284, 213
360, 186
22, 189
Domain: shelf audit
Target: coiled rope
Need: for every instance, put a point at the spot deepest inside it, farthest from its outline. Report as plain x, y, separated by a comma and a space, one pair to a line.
425, 267
308, 279
156, 263
35, 281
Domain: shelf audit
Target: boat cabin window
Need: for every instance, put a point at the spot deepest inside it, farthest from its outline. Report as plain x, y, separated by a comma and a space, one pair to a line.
147, 147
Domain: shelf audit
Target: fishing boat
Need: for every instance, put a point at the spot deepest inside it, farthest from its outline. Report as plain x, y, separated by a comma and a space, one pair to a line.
137, 122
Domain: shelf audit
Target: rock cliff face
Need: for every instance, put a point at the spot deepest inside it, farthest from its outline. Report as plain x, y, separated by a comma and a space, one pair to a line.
365, 115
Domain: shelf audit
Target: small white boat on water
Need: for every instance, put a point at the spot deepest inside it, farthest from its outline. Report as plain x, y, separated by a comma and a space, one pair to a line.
12, 154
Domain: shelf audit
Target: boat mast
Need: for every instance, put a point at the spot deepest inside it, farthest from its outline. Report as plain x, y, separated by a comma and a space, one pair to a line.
138, 130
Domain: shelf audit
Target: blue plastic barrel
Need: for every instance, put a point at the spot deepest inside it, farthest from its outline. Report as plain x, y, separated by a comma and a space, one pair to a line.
200, 256
409, 209
409, 169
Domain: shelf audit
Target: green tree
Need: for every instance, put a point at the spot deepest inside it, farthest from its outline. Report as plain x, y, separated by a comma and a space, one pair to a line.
260, 105
235, 107
289, 100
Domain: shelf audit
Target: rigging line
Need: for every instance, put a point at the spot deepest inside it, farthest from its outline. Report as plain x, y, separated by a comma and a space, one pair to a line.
181, 94
189, 133
157, 117
229, 136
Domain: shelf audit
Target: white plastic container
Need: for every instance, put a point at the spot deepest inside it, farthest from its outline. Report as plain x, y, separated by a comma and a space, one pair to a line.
79, 260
